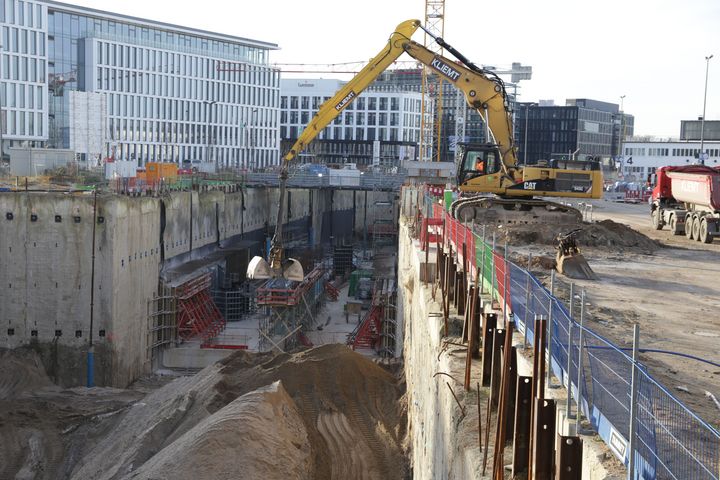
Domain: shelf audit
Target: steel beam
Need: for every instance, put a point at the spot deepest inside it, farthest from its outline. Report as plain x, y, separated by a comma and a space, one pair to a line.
489, 325
523, 404
569, 458
543, 440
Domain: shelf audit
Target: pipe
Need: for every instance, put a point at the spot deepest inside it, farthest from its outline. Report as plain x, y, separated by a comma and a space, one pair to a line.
91, 348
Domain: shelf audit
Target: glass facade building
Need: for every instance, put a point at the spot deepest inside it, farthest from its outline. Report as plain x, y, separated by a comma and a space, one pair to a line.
173, 93
586, 128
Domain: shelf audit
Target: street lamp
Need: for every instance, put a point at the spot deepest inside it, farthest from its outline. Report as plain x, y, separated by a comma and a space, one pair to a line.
252, 132
622, 130
207, 128
527, 106
702, 121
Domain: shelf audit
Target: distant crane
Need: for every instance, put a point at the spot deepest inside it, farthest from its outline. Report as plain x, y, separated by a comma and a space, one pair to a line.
56, 85
432, 85
57, 81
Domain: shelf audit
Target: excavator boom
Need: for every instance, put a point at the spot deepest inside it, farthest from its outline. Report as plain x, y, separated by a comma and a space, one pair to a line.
492, 168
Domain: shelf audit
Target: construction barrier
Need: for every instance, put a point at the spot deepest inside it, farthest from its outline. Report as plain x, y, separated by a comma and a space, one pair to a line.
637, 196
670, 440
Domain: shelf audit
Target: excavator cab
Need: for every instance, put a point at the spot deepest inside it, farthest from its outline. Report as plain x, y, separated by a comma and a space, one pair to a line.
476, 160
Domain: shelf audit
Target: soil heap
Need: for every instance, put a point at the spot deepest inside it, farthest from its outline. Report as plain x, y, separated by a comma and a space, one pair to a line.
324, 413
605, 234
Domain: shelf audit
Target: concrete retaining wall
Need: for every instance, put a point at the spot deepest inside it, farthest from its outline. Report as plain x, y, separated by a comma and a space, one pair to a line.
45, 265
444, 443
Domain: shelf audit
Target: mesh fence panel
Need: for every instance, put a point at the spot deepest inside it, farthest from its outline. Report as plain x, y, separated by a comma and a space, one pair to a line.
671, 441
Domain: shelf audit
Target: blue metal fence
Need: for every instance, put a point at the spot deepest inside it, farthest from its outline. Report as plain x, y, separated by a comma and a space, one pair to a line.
671, 442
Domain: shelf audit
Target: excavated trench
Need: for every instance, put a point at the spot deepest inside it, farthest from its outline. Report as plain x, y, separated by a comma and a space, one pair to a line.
323, 413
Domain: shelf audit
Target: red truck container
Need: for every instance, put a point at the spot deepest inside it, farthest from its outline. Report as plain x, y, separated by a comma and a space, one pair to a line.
687, 198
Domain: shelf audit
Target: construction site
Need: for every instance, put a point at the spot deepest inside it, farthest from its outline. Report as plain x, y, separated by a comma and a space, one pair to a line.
484, 317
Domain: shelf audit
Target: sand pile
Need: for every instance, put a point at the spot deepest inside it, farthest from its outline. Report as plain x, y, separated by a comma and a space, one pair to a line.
221, 446
352, 408
333, 414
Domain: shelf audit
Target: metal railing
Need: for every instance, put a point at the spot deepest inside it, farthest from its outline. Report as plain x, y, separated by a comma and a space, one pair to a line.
366, 181
670, 441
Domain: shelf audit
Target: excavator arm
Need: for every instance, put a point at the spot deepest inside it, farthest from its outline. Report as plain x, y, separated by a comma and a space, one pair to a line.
483, 91
350, 91
273, 268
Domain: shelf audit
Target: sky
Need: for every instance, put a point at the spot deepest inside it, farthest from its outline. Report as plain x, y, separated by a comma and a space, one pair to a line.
651, 51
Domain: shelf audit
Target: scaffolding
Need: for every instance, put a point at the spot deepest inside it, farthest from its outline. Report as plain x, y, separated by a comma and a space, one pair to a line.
378, 329
161, 324
384, 228
343, 260
197, 313
235, 304
290, 308
383, 233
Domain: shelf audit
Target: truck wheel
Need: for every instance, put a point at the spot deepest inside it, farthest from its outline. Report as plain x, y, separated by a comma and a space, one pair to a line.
657, 222
696, 228
705, 237
676, 230
689, 227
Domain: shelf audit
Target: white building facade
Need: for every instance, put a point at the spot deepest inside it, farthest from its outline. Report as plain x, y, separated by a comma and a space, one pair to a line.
641, 159
23, 87
390, 117
173, 93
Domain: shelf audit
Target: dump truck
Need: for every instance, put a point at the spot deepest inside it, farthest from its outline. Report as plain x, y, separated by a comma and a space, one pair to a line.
687, 199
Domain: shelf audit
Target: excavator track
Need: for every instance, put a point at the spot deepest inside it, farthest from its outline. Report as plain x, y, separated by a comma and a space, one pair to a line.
487, 210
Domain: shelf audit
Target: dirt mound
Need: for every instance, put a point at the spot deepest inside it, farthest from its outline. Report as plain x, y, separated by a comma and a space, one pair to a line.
259, 434
149, 426
605, 234
615, 235
349, 407
21, 371
45, 429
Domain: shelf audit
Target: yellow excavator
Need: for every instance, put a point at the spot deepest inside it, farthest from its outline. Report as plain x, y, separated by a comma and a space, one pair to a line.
495, 187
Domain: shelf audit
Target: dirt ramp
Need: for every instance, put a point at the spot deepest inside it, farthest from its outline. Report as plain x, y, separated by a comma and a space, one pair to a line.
150, 425
257, 435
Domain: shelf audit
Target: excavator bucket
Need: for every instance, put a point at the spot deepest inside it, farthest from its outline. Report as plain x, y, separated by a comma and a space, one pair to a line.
259, 269
574, 266
292, 270
569, 261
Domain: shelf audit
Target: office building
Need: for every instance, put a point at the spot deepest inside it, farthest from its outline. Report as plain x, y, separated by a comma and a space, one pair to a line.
379, 127
171, 93
694, 129
582, 128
